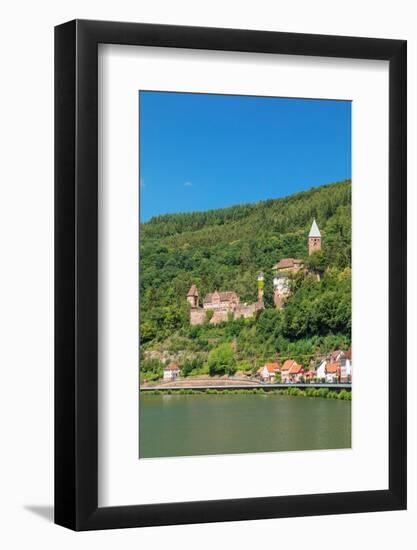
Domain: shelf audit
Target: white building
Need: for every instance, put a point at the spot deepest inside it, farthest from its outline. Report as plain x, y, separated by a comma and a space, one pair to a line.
328, 372
332, 373
171, 372
321, 370
268, 372
346, 367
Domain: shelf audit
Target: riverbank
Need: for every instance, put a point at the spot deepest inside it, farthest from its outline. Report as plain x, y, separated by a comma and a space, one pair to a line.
234, 382
322, 392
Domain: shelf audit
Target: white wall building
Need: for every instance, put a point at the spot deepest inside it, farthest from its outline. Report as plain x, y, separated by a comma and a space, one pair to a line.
171, 372
321, 370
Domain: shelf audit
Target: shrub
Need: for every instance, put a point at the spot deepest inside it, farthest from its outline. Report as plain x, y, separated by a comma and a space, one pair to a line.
345, 395
151, 369
209, 315
221, 360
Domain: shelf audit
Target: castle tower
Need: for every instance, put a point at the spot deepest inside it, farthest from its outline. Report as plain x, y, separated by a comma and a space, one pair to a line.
260, 287
192, 296
314, 239
281, 289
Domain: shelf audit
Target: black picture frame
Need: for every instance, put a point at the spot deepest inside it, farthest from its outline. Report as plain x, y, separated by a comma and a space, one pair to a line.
76, 273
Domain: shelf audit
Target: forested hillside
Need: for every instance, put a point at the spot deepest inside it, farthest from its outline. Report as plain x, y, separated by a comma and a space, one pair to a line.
224, 249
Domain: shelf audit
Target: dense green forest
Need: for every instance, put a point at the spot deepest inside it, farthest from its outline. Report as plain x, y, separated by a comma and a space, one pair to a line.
224, 249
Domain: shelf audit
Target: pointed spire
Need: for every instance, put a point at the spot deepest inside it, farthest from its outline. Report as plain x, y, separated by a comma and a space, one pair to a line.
314, 231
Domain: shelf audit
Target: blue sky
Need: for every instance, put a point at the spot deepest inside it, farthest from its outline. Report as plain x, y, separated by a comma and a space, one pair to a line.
202, 151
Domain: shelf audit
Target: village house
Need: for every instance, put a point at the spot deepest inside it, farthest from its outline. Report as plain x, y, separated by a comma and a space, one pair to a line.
296, 373
310, 375
291, 371
346, 367
336, 367
285, 368
327, 372
321, 371
332, 373
268, 372
171, 371
343, 361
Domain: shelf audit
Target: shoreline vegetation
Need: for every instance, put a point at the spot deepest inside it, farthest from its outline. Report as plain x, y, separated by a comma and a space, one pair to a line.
324, 393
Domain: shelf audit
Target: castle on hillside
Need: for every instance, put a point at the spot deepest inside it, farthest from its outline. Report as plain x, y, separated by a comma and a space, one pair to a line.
223, 306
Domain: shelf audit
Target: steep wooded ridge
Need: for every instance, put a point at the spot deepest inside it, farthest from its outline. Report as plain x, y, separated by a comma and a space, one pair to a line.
224, 249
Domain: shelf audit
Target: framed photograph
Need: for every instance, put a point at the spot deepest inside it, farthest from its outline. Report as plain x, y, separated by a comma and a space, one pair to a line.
230, 284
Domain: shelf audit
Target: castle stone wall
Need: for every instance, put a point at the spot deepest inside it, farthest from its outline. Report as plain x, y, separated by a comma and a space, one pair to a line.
219, 316
197, 316
246, 311
218, 305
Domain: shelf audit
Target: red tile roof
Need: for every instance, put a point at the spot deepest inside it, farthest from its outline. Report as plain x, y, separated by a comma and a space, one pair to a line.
331, 368
287, 263
272, 367
292, 367
172, 366
287, 364
229, 296
296, 368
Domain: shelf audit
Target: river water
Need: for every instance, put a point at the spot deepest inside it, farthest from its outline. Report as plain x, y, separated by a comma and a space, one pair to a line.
187, 425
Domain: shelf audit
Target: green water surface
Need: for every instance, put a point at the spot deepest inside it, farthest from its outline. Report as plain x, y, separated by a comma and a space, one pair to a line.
187, 425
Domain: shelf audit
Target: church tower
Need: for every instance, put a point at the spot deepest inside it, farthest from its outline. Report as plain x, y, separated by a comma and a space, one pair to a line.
314, 239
